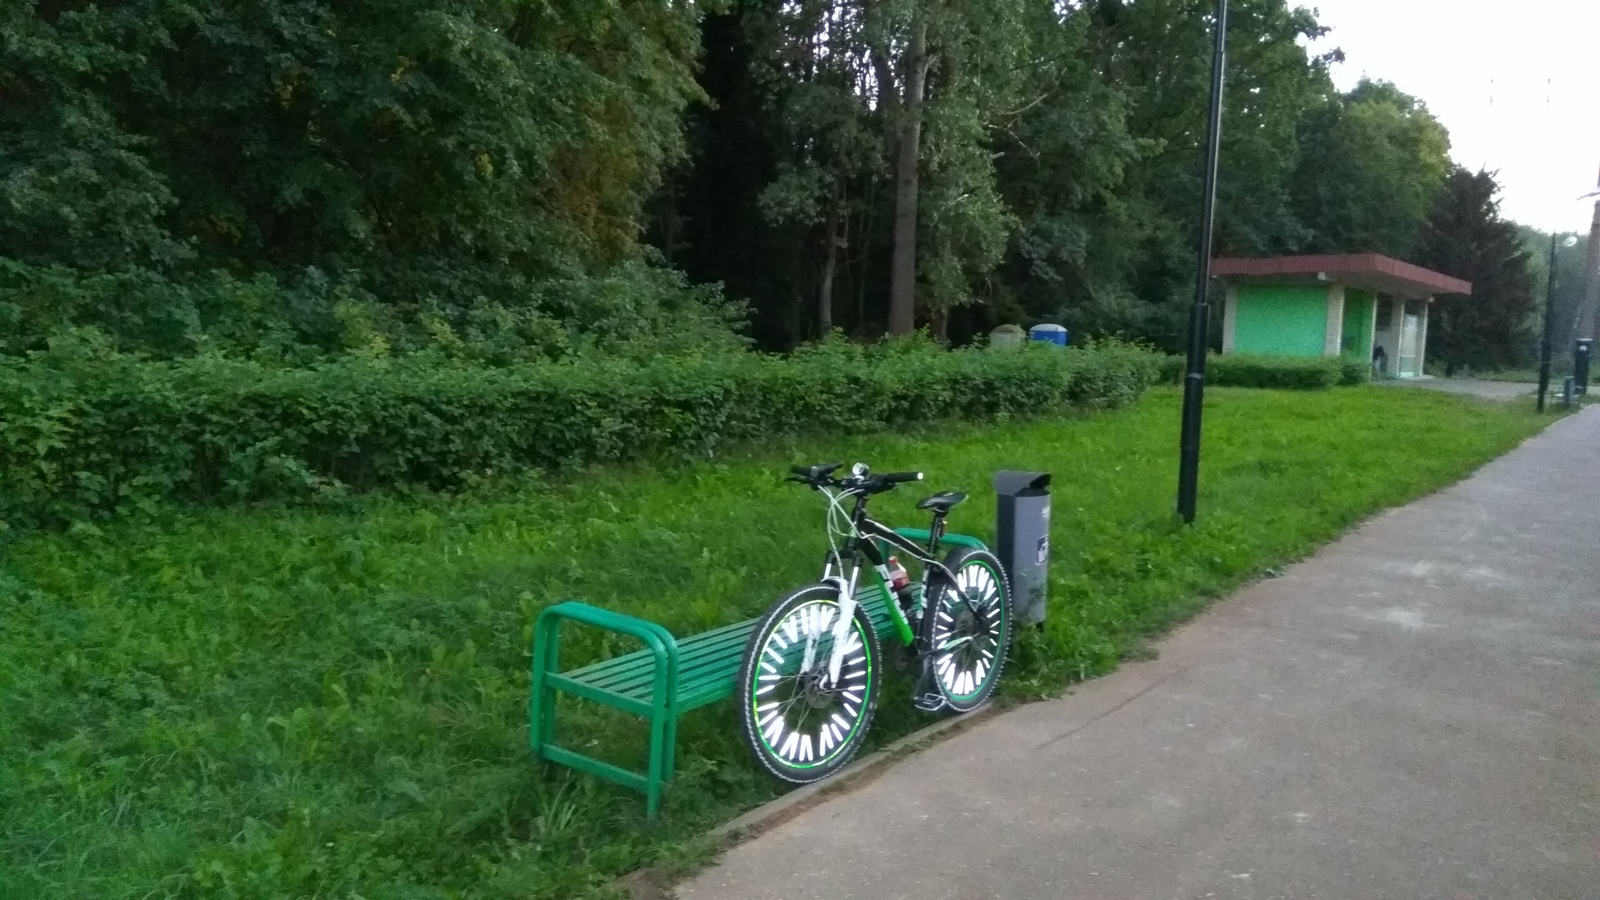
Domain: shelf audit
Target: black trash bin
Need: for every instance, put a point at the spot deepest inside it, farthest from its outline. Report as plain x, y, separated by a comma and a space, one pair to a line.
1582, 350
1022, 531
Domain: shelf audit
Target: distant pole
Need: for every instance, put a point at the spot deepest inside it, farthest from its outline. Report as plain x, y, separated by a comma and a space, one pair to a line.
1194, 384
1544, 342
1590, 298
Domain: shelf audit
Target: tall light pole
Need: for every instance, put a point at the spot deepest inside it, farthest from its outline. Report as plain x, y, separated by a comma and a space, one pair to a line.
1194, 383
1588, 301
1549, 305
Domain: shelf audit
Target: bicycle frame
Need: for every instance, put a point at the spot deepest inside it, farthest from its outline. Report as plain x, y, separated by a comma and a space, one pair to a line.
865, 535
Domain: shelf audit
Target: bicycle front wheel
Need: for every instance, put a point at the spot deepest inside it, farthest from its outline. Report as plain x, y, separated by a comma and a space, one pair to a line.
801, 726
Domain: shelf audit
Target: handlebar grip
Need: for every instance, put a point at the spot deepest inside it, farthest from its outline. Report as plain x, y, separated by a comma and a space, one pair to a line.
901, 477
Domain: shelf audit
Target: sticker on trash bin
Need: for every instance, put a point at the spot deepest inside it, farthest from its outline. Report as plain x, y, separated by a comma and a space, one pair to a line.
1045, 512
1044, 550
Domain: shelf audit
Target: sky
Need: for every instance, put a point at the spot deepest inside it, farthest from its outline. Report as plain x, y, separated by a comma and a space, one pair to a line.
1517, 85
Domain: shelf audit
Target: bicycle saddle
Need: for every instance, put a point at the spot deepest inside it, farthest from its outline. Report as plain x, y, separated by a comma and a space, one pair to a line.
942, 501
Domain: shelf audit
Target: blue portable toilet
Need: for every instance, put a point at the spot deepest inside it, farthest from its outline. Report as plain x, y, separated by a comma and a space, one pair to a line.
1050, 334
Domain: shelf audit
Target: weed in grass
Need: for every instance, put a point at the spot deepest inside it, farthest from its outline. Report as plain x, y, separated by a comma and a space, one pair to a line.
247, 704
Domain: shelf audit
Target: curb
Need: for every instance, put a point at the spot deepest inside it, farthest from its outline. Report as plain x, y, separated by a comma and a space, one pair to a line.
774, 813
648, 884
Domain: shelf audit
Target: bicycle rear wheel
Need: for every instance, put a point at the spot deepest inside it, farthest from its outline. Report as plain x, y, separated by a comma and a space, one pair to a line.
967, 628
800, 727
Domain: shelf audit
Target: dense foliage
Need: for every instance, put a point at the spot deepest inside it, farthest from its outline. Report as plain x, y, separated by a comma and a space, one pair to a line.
189, 167
296, 179
86, 436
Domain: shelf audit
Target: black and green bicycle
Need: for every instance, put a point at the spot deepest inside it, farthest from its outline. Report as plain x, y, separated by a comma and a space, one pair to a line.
808, 684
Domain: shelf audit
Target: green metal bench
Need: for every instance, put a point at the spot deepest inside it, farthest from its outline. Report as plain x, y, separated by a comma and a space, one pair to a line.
661, 682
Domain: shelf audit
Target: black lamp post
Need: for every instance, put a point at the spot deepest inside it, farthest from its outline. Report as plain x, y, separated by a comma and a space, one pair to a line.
1194, 383
1544, 341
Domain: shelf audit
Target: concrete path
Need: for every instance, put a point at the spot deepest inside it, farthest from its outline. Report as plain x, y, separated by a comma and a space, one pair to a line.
1491, 390
1410, 714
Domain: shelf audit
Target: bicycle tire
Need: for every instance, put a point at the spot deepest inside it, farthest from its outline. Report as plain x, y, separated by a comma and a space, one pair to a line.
978, 607
801, 731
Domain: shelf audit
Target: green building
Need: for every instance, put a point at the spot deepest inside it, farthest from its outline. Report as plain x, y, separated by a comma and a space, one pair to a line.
1363, 306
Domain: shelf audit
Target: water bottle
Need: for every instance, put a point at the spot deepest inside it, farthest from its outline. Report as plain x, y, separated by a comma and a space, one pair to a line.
900, 583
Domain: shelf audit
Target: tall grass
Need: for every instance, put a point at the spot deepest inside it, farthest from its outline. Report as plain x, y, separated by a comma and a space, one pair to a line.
278, 703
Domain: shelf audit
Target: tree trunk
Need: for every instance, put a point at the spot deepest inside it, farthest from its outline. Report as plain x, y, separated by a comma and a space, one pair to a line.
903, 262
830, 263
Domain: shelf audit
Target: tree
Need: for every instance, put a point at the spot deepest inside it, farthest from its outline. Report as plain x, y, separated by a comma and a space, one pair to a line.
1464, 236
1129, 134
881, 186
937, 68
1370, 164
428, 154
816, 70
77, 186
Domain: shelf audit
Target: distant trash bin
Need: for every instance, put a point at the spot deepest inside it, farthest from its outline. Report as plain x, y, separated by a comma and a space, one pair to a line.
1049, 334
1022, 531
1006, 337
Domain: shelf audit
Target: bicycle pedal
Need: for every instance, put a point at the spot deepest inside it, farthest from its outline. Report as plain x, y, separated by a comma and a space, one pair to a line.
926, 695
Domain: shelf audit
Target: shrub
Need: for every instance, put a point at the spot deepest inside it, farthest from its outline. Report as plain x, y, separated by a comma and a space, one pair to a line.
1354, 371
628, 310
1297, 373
87, 432
1172, 368
1284, 372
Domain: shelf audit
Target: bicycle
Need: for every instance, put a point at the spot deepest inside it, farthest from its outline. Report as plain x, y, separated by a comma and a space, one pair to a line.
808, 681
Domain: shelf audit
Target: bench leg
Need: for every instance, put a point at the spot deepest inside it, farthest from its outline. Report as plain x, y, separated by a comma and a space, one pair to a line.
659, 754
669, 748
542, 712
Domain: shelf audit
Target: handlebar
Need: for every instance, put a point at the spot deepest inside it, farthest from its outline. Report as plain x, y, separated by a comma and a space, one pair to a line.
818, 477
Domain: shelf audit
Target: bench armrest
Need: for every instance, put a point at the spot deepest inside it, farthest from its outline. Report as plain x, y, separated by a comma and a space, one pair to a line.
663, 648
659, 641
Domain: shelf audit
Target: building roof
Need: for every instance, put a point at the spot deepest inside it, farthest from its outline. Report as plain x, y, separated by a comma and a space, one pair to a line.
1370, 271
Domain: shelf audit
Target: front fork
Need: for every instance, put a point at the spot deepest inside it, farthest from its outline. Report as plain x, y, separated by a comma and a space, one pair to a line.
841, 628
833, 574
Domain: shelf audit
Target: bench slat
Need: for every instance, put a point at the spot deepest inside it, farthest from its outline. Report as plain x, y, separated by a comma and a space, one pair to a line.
704, 658
626, 674
639, 706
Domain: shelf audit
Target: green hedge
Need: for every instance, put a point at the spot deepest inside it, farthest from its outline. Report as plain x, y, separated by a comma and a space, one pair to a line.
1295, 373
1354, 371
82, 438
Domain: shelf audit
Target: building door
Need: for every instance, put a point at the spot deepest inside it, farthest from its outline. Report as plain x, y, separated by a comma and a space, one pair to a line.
1409, 334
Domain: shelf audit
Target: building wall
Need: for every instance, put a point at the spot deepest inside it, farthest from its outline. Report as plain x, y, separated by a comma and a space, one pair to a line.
1358, 312
1281, 319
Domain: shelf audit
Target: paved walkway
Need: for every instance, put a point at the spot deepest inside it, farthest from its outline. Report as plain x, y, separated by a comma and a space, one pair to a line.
1493, 390
1410, 714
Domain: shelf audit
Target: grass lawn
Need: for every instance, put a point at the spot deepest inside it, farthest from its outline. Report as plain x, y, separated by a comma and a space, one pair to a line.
332, 703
